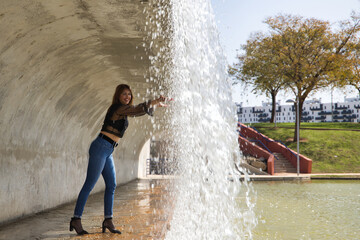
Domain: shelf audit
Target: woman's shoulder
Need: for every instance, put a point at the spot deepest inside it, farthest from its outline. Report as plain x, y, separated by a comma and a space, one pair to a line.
116, 106
119, 108
113, 108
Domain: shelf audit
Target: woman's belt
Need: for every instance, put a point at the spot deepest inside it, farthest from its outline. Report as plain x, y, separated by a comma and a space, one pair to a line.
113, 143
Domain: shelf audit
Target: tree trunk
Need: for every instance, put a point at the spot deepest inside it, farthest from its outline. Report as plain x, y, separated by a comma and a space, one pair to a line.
273, 110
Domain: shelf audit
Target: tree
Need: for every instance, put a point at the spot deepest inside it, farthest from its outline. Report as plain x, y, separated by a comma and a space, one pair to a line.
258, 68
309, 55
312, 55
352, 70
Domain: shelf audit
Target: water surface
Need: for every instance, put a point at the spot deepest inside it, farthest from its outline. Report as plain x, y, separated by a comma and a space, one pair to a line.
316, 209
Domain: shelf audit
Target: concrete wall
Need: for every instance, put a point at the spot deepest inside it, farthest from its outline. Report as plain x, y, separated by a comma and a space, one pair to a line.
143, 157
60, 62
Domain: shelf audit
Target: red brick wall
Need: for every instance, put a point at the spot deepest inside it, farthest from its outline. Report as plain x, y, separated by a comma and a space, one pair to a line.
290, 155
248, 147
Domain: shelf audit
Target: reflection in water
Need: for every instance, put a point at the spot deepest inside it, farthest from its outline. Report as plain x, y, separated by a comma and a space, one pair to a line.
307, 210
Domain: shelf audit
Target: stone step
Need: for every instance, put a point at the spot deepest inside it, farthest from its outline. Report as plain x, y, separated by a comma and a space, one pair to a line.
277, 162
284, 168
289, 165
288, 168
282, 165
282, 162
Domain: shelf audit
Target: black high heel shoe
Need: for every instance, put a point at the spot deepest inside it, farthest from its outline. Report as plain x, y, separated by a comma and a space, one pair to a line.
75, 223
108, 224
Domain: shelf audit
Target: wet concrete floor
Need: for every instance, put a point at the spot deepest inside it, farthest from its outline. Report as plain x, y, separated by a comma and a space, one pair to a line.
142, 210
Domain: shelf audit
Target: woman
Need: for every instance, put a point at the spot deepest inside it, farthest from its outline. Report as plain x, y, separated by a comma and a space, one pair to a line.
100, 154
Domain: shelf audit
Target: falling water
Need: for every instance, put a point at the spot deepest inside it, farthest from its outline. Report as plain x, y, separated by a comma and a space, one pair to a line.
188, 65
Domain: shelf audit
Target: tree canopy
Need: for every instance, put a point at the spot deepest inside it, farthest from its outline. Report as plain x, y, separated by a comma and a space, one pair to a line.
299, 54
351, 71
259, 67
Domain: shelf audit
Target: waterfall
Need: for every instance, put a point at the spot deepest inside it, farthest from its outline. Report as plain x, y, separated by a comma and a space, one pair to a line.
189, 65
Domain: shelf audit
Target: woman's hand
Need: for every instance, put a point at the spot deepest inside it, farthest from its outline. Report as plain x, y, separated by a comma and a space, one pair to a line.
160, 101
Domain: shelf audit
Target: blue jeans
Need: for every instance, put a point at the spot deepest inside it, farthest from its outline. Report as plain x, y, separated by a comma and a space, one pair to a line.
100, 162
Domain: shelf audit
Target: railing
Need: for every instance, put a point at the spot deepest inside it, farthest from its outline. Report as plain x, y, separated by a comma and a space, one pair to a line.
263, 115
278, 146
258, 142
250, 148
264, 120
305, 114
277, 110
268, 140
258, 110
308, 118
339, 117
340, 107
351, 117
316, 108
325, 113
346, 111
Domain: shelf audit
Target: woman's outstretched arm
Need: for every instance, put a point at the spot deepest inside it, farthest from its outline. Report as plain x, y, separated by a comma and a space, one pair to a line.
142, 108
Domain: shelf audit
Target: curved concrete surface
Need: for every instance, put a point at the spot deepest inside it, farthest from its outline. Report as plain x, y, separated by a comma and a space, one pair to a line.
60, 62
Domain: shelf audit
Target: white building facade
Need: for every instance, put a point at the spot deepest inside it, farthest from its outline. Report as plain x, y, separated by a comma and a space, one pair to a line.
313, 111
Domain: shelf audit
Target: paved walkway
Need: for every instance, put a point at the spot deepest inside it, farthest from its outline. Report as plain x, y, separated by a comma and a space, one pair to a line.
140, 212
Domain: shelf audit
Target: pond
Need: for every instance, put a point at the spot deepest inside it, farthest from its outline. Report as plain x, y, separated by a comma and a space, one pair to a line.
317, 209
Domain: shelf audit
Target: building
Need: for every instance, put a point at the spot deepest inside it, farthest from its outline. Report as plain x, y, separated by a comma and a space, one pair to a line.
313, 111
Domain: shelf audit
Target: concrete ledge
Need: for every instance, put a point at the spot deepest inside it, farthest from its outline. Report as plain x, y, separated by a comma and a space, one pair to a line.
304, 177
160, 177
276, 178
336, 176
281, 177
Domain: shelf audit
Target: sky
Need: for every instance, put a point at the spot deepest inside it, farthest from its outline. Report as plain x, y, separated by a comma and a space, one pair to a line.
237, 19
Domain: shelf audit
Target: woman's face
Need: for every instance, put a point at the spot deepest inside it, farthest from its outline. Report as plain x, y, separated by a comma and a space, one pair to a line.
125, 97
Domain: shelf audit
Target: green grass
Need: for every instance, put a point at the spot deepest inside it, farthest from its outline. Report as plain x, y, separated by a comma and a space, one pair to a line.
313, 125
332, 151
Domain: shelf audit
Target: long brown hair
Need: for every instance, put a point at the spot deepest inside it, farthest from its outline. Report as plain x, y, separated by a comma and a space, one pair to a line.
119, 89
